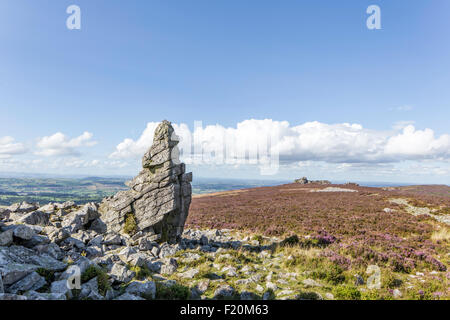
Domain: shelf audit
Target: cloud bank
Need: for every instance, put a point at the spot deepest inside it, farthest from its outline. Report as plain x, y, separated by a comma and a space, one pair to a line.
8, 147
310, 141
59, 144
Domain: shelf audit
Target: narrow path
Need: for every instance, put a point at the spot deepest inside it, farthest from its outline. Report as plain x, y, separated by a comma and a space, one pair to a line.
417, 211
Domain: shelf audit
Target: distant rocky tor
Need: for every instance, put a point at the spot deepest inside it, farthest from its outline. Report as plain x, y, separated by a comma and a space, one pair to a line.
304, 180
157, 204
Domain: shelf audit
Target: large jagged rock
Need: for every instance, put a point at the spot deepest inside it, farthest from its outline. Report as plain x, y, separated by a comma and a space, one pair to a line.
159, 197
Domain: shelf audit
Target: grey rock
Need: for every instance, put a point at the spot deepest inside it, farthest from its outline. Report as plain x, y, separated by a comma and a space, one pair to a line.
359, 281
224, 291
52, 249
94, 251
23, 232
202, 286
73, 222
4, 214
26, 207
120, 273
154, 266
159, 197
329, 296
83, 236
36, 218
146, 244
6, 237
36, 240
230, 271
311, 283
111, 294
144, 289
72, 242
191, 257
96, 241
112, 239
271, 286
127, 296
169, 267
2, 288
138, 259
246, 295
16, 262
33, 295
60, 287
89, 290
204, 240
397, 293
268, 295
9, 296
59, 235
33, 281
98, 226
49, 208
259, 288
167, 250
189, 274
13, 272
125, 254
66, 205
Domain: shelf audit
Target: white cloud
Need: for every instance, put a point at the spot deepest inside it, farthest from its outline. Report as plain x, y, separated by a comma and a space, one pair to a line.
60, 145
422, 144
310, 141
400, 125
8, 147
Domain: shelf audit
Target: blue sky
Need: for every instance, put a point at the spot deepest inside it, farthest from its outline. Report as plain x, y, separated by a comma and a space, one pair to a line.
223, 62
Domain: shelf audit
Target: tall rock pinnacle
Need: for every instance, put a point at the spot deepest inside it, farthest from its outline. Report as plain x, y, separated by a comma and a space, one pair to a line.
158, 200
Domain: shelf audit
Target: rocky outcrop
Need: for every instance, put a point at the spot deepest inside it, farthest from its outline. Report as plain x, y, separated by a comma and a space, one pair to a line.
305, 180
157, 203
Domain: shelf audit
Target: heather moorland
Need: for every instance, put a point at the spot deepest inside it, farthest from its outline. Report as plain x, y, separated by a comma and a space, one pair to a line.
335, 236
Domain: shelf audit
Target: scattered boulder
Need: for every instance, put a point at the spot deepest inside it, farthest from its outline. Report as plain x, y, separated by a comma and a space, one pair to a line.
128, 296
33, 295
246, 295
224, 291
60, 287
143, 289
169, 267
121, 273
9, 296
359, 281
311, 283
33, 281
23, 232
189, 274
397, 293
6, 237
89, 290
36, 218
